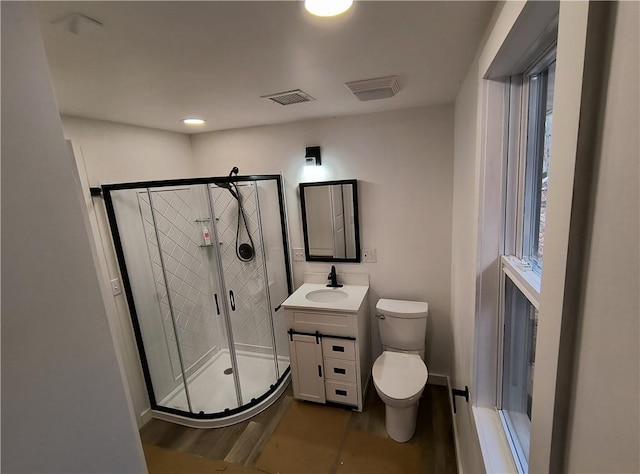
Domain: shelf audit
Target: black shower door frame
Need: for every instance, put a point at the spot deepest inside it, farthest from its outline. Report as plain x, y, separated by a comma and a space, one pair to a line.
106, 190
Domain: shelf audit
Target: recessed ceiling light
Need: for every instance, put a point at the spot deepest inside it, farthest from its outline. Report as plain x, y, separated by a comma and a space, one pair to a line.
193, 121
327, 7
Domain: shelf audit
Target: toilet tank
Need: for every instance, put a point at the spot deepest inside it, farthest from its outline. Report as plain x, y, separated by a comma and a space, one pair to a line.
402, 324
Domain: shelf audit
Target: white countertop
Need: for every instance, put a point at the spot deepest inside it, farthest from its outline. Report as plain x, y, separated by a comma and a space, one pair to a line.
356, 294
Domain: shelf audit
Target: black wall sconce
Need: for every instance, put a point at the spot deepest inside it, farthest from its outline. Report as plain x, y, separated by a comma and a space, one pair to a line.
312, 158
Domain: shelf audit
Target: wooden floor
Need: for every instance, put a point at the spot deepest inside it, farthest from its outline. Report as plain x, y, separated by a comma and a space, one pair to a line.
243, 443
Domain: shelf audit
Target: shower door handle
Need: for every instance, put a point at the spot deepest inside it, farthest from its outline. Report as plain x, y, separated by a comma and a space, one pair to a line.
217, 305
232, 300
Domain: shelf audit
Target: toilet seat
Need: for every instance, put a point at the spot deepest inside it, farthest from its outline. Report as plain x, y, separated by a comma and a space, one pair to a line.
398, 375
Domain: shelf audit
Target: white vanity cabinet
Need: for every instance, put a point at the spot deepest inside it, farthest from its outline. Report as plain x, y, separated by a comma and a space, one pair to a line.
329, 347
307, 368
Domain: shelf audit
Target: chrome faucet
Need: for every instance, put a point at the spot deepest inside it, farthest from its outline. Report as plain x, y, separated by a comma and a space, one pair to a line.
333, 278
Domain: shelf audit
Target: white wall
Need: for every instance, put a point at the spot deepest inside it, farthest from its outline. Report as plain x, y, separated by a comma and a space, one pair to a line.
115, 152
404, 163
65, 406
463, 258
108, 152
604, 428
465, 231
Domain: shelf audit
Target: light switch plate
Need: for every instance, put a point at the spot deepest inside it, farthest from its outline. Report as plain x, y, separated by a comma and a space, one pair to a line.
116, 289
298, 255
369, 256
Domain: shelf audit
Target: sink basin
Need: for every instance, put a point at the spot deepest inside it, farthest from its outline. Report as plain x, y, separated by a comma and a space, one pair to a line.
317, 296
326, 296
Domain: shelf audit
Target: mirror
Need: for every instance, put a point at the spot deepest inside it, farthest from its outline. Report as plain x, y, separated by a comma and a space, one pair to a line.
330, 221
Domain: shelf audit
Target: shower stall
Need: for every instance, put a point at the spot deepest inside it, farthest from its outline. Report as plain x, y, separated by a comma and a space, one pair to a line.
205, 266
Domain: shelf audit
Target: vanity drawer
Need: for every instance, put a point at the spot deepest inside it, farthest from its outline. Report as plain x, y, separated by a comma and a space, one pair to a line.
338, 348
339, 369
338, 324
341, 392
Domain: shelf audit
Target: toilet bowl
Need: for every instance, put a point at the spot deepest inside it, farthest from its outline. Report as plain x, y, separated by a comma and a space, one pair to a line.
399, 380
399, 374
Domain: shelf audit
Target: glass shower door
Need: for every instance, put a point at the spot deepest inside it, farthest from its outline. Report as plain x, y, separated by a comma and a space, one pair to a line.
190, 289
153, 322
168, 242
236, 209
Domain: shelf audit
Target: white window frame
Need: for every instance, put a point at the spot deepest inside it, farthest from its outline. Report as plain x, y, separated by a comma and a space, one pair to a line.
521, 30
515, 264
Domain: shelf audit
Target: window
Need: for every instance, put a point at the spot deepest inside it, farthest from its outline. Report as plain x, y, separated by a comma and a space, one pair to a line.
520, 327
538, 146
531, 117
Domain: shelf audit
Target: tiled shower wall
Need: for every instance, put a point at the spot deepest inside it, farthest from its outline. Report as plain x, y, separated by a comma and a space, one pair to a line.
188, 273
251, 320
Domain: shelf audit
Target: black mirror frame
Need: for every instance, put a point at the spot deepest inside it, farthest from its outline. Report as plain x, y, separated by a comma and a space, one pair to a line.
356, 219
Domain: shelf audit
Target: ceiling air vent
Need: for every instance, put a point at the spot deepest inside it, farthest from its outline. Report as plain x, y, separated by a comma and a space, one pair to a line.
372, 89
289, 97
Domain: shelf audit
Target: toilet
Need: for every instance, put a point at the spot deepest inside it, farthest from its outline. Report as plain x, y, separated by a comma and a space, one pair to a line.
400, 374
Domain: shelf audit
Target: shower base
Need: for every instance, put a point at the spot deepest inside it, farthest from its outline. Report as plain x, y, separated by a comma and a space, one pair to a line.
211, 390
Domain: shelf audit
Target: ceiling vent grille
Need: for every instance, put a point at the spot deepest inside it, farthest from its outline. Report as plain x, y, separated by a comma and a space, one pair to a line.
289, 97
372, 89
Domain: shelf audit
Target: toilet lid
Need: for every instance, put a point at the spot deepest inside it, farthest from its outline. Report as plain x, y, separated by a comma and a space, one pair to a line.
403, 309
399, 375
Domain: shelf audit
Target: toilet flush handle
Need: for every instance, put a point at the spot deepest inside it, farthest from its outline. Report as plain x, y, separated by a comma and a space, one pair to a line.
380, 316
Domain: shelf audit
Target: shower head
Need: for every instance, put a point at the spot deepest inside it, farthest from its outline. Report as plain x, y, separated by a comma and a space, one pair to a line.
244, 251
228, 187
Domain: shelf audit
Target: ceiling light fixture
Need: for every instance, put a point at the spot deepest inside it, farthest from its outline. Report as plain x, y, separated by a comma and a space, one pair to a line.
193, 121
327, 7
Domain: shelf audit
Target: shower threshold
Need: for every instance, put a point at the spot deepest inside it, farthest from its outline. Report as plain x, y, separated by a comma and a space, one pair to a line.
212, 391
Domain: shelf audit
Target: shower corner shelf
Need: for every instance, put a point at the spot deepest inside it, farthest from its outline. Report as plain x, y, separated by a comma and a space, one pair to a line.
206, 219
206, 245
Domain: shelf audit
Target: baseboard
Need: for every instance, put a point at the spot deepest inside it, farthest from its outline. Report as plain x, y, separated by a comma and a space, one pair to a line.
444, 381
145, 417
456, 438
438, 379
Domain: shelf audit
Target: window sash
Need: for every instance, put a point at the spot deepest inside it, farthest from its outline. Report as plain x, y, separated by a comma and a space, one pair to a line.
513, 176
524, 161
519, 298
524, 277
533, 167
